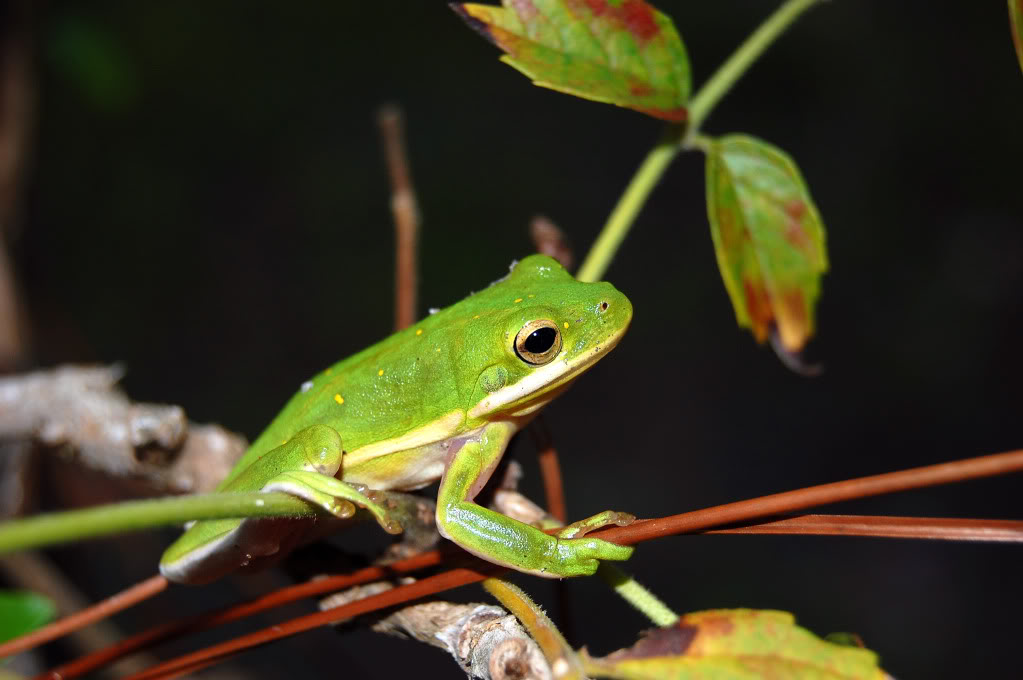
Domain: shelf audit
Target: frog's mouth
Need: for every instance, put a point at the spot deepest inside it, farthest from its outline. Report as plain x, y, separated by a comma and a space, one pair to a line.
541, 386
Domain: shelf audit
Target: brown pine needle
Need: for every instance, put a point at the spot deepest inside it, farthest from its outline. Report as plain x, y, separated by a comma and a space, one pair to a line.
934, 528
101, 610
400, 595
811, 496
201, 622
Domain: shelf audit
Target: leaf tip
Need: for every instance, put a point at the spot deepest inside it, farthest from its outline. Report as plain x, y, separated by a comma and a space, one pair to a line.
462, 10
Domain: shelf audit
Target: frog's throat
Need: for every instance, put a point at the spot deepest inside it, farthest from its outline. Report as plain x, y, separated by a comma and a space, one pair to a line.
539, 387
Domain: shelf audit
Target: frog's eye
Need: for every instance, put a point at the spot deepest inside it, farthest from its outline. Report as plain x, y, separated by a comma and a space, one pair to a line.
538, 342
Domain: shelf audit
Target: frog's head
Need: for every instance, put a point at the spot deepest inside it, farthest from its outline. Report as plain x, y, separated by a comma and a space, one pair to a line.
541, 330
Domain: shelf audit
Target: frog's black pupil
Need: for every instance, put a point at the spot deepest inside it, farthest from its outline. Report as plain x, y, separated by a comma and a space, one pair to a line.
540, 340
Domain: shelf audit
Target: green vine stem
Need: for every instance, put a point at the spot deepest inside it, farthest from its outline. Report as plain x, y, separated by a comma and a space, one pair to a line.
633, 592
60, 527
660, 157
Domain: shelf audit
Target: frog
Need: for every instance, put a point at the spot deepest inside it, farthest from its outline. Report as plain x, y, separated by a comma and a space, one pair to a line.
437, 401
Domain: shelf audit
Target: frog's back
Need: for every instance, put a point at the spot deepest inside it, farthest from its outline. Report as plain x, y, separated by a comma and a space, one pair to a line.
373, 396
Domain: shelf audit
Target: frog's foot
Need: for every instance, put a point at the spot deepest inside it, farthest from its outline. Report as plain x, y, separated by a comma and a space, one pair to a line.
579, 529
336, 497
579, 556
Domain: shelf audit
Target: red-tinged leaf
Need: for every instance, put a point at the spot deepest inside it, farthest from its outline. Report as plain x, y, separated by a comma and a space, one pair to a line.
768, 238
620, 52
1016, 23
736, 644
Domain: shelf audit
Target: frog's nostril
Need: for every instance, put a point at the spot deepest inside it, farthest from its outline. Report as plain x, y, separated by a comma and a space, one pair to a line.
604, 305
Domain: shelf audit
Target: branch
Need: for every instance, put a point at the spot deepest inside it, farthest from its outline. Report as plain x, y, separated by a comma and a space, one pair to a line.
80, 410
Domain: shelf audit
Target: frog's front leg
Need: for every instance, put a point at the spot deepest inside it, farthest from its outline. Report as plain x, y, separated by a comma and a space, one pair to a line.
498, 538
304, 467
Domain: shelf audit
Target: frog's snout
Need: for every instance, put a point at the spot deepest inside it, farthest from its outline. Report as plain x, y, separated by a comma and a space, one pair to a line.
613, 307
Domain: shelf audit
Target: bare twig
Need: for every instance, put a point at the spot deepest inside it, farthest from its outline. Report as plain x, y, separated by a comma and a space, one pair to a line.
550, 469
406, 216
80, 410
550, 240
485, 640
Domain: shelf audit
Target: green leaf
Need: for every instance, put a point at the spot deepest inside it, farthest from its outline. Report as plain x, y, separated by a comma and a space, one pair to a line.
768, 237
735, 644
1016, 23
21, 612
620, 52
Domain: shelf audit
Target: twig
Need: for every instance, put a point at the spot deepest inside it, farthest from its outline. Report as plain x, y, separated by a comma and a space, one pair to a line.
80, 409
549, 239
550, 469
406, 216
485, 640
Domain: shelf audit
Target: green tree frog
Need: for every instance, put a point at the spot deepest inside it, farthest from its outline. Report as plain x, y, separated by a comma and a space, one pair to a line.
438, 400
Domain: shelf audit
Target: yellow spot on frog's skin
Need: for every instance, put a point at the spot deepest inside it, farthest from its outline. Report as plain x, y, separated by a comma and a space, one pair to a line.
476, 317
339, 399
566, 325
380, 372
419, 331
283, 442
438, 349
518, 300
532, 296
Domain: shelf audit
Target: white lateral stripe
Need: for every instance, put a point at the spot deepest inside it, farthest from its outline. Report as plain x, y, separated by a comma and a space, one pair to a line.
439, 430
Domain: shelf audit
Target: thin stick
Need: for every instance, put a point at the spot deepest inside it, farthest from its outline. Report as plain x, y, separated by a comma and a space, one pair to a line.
801, 499
934, 528
549, 239
406, 216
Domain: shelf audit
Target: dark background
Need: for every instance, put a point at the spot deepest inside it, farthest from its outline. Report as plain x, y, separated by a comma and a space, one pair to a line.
207, 203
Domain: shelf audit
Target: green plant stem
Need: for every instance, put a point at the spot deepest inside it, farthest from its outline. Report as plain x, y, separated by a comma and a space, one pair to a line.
660, 157
633, 592
59, 527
